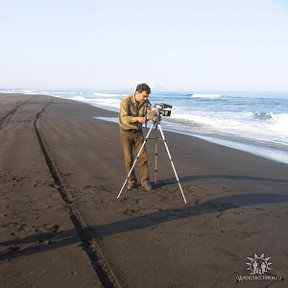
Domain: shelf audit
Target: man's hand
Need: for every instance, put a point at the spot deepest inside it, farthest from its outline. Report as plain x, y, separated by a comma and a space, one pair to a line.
142, 120
139, 119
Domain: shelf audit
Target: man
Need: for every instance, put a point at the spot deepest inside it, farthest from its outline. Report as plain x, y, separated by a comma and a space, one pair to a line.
131, 117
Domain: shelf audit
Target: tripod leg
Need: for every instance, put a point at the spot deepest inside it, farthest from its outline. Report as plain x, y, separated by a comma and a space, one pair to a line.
156, 157
135, 161
172, 163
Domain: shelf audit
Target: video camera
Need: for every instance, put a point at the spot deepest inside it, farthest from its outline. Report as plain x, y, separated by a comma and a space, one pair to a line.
161, 109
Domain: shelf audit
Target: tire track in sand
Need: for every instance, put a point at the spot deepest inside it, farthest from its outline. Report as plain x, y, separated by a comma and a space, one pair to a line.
89, 243
6, 118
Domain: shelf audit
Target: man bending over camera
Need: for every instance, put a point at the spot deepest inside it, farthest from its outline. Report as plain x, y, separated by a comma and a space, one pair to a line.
133, 109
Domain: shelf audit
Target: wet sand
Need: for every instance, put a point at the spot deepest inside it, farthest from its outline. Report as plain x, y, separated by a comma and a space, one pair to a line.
62, 226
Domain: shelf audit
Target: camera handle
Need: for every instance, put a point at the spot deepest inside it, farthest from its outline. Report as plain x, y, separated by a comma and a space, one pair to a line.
156, 125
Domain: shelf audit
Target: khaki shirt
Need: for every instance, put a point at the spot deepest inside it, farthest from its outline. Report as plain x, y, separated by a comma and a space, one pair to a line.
129, 108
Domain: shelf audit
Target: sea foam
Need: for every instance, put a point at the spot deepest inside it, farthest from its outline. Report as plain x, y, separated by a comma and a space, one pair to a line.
207, 96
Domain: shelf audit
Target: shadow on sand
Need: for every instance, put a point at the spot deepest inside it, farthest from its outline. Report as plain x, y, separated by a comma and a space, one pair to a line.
43, 242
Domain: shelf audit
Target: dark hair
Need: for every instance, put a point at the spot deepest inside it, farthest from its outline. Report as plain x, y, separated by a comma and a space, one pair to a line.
143, 87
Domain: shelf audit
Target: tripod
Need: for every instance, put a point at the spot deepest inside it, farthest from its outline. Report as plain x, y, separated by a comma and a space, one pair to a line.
156, 125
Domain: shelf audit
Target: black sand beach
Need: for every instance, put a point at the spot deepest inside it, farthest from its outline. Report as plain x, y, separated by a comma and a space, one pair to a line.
62, 226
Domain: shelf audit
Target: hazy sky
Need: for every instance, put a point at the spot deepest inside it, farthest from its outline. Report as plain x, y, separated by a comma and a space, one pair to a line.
177, 44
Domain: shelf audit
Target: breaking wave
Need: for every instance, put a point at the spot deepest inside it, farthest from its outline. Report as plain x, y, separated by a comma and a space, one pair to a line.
207, 96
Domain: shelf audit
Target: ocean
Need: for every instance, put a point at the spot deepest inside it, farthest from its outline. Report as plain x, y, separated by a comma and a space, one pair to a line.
256, 122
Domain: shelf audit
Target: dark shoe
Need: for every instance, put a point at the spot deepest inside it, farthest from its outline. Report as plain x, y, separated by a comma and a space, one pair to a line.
131, 185
147, 187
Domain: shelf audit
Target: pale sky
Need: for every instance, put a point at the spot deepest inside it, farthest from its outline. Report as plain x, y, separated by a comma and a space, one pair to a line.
113, 44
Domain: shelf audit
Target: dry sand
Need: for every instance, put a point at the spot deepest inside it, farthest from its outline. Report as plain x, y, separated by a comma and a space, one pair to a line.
62, 226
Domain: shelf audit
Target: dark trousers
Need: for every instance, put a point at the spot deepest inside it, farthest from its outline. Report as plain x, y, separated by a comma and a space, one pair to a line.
133, 140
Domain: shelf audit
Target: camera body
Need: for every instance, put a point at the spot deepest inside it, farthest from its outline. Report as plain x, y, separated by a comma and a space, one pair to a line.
162, 109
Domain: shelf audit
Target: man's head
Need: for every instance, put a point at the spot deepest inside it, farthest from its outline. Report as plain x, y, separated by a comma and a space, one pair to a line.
142, 92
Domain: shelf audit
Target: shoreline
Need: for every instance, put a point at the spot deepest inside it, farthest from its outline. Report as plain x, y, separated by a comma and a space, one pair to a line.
267, 150
272, 153
277, 152
269, 153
